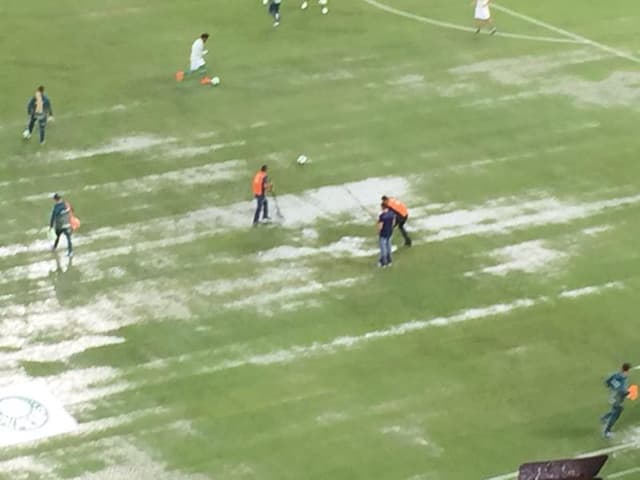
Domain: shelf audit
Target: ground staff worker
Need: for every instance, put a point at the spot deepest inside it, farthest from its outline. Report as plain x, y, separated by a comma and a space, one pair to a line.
260, 186
402, 215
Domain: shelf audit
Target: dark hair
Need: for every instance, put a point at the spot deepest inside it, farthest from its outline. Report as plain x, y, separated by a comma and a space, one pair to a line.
56, 196
204, 36
41, 88
626, 367
384, 198
263, 168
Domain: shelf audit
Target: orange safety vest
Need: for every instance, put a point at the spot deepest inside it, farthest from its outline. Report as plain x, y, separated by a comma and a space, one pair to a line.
258, 185
398, 207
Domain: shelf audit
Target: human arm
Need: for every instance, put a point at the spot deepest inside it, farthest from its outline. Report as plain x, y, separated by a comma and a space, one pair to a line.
53, 217
48, 108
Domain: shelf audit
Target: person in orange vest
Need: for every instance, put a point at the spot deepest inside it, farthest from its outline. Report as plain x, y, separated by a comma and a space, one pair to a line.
260, 186
402, 215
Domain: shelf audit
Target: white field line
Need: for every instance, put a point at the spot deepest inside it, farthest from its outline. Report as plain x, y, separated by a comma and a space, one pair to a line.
187, 177
572, 36
453, 26
81, 388
344, 343
623, 473
604, 451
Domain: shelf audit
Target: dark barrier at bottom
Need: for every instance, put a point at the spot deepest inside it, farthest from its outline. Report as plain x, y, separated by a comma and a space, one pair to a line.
572, 469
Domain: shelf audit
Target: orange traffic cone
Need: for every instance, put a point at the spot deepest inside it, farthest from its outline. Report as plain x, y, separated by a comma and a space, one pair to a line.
179, 76
205, 81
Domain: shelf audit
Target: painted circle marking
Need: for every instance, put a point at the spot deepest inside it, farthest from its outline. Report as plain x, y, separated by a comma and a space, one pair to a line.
21, 414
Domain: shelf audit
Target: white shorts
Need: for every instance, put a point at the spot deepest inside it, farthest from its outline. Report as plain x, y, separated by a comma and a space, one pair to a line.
196, 63
482, 13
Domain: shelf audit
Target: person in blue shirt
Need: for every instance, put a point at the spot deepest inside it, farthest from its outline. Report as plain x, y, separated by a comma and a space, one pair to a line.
386, 219
61, 221
618, 386
39, 110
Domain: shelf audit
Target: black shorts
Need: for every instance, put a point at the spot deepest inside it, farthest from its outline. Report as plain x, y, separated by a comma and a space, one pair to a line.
274, 8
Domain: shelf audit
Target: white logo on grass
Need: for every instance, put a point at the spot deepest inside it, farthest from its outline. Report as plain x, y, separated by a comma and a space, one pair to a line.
22, 414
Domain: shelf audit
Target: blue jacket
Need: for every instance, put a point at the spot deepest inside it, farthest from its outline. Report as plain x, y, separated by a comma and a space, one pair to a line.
31, 106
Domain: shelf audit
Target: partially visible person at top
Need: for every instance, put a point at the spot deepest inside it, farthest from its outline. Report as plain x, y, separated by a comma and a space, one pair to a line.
482, 15
274, 11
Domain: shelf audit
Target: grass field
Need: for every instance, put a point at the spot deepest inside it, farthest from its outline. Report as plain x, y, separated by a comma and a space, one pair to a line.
188, 345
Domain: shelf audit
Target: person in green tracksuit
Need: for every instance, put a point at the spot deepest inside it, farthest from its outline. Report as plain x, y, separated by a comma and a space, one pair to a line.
618, 386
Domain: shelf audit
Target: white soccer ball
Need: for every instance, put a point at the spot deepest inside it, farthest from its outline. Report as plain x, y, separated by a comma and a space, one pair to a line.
304, 5
325, 10
302, 159
25, 134
215, 81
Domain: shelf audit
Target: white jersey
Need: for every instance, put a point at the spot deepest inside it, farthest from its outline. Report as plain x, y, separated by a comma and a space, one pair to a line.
197, 54
482, 10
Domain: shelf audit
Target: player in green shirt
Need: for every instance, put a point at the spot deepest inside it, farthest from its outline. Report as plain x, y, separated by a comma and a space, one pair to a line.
618, 386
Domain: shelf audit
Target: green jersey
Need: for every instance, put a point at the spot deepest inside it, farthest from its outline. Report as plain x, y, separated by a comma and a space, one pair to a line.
618, 385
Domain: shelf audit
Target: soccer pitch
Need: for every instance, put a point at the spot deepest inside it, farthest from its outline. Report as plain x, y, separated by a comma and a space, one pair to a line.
182, 344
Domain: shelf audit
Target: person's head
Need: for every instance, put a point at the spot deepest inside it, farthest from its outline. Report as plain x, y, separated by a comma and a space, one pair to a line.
263, 168
385, 199
204, 37
383, 205
41, 89
626, 367
56, 197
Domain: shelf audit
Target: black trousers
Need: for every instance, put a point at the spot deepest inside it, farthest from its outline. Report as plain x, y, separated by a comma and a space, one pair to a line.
400, 221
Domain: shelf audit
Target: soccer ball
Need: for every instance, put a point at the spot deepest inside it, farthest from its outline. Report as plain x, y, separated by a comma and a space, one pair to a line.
304, 5
325, 10
25, 134
302, 159
215, 81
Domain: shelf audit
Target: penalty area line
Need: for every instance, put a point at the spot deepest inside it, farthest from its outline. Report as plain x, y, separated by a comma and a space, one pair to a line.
453, 26
604, 451
566, 33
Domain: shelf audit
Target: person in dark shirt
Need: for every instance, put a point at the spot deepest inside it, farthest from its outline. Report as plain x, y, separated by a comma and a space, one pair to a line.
61, 221
618, 386
39, 110
385, 231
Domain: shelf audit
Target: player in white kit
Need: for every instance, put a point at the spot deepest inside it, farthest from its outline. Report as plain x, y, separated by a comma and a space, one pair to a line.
324, 6
197, 64
483, 16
